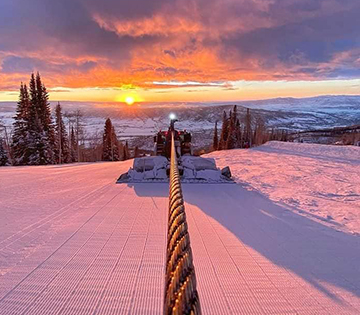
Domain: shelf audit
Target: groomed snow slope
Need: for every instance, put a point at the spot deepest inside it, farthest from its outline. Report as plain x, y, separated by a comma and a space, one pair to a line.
73, 242
321, 182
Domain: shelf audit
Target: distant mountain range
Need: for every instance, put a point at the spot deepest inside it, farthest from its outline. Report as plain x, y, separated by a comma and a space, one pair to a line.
146, 118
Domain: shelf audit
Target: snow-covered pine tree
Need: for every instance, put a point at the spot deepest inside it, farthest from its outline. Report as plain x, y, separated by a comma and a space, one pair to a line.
38, 144
62, 150
73, 146
110, 143
21, 128
44, 114
115, 146
3, 154
216, 138
224, 132
40, 150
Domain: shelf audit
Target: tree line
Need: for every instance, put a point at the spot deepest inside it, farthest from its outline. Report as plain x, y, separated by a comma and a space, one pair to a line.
38, 138
243, 134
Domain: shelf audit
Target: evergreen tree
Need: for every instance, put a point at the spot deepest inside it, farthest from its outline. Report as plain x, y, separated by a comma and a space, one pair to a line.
3, 154
62, 150
125, 156
44, 113
107, 141
38, 144
259, 133
247, 129
238, 134
110, 143
224, 132
284, 136
231, 139
235, 113
73, 146
272, 134
126, 152
40, 150
121, 150
115, 145
21, 128
216, 139
34, 138
78, 115
255, 136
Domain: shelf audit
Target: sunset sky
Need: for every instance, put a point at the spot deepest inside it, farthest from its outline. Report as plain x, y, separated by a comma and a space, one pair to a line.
181, 50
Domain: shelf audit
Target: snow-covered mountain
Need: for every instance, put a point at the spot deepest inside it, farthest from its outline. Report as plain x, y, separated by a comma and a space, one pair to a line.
146, 118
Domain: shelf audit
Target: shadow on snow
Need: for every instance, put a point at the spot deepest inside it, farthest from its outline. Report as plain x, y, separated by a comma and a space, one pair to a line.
315, 252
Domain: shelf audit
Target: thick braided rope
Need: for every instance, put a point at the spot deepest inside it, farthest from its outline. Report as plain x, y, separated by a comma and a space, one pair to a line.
181, 296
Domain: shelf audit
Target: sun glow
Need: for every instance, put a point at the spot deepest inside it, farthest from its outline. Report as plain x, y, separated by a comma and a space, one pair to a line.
129, 100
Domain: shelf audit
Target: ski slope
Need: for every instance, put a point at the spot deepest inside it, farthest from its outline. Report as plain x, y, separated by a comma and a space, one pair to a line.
321, 182
73, 242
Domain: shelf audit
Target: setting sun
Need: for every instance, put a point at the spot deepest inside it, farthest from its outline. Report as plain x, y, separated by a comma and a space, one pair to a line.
129, 100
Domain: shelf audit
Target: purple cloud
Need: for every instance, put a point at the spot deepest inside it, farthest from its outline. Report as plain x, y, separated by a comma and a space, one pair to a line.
243, 38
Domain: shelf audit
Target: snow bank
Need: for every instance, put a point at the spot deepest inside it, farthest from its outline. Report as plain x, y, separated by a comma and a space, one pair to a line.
319, 181
332, 152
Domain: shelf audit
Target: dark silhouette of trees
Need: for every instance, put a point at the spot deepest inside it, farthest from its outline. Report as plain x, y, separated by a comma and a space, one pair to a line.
21, 128
136, 152
73, 146
62, 150
234, 135
216, 138
239, 139
110, 143
3, 154
231, 142
126, 152
248, 129
224, 132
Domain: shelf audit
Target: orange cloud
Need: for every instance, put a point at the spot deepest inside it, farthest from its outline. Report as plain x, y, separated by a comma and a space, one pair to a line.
111, 44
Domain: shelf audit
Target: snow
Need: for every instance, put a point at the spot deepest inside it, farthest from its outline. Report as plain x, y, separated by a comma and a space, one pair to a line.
321, 182
154, 169
74, 242
198, 164
150, 162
